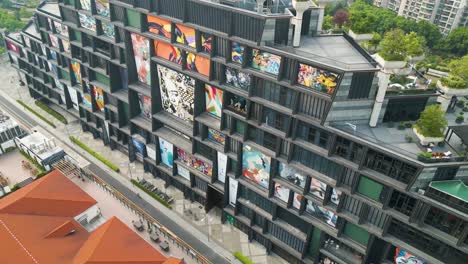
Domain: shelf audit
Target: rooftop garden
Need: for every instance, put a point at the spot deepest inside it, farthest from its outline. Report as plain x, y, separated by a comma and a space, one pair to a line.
458, 74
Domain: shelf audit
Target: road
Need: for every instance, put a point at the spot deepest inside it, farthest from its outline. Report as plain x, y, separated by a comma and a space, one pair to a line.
170, 224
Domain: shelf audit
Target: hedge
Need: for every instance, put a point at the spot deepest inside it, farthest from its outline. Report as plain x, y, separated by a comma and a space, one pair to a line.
36, 113
242, 258
33, 161
51, 112
155, 196
9, 149
95, 154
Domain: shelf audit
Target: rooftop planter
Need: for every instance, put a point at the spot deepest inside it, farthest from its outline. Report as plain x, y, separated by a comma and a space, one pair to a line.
443, 86
360, 37
431, 125
457, 79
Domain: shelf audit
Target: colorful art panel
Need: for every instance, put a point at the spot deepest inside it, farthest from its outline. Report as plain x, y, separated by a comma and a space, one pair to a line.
61, 28
255, 166
317, 79
87, 22
99, 98
54, 41
237, 78
321, 213
76, 68
404, 257
237, 52
73, 98
86, 5
297, 199
167, 152
86, 100
145, 106
266, 62
213, 100
336, 196
281, 192
216, 136
238, 104
102, 8
222, 166
206, 42
139, 146
185, 35
12, 47
159, 26
53, 55
168, 52
198, 64
177, 93
291, 174
142, 61
318, 188
108, 29
195, 163
66, 45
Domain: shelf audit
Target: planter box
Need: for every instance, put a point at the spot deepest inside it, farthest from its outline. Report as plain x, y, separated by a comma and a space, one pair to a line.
389, 65
360, 37
301, 6
452, 91
427, 140
417, 58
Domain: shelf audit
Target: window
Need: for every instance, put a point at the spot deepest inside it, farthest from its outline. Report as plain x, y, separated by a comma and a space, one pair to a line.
391, 167
349, 150
317, 162
240, 127
312, 134
133, 18
445, 222
276, 120
274, 92
352, 205
285, 237
402, 203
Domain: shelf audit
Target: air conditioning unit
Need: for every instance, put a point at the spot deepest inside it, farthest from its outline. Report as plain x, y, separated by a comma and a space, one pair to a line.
421, 191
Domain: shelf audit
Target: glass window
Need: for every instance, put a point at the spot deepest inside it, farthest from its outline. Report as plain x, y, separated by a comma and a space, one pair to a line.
275, 119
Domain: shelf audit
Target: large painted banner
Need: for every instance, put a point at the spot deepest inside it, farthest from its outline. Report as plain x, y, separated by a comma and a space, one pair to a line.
291, 174
206, 42
168, 52
73, 98
87, 22
61, 28
102, 8
177, 93
222, 166
265, 61
167, 152
76, 68
108, 29
185, 35
198, 64
139, 146
404, 257
151, 151
183, 172
321, 213
86, 5
213, 100
66, 45
233, 184
159, 26
281, 192
54, 41
86, 100
145, 105
255, 166
12, 47
99, 98
195, 163
142, 60
317, 79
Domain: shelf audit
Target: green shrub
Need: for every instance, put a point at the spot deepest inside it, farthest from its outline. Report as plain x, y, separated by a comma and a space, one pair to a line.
408, 124
51, 112
36, 113
401, 126
460, 119
95, 154
425, 155
409, 138
461, 103
41, 174
32, 160
454, 82
465, 109
242, 258
10, 149
155, 196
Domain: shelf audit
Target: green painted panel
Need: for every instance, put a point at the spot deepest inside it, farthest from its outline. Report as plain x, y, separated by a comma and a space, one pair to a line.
314, 246
369, 188
64, 74
356, 233
133, 19
102, 79
77, 35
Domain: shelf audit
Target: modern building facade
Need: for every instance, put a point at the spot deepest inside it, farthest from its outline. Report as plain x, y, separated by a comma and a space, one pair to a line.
446, 14
212, 98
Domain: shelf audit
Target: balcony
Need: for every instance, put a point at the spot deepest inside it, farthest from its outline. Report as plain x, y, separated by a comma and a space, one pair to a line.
451, 193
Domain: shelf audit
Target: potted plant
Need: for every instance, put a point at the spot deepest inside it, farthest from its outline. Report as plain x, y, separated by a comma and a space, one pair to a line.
456, 83
393, 50
431, 125
460, 119
362, 20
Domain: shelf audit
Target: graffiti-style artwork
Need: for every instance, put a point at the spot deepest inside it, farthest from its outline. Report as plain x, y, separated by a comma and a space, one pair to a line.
53, 55
255, 166
76, 68
99, 98
142, 61
12, 47
265, 61
86, 5
58, 84
336, 196
87, 22
216, 136
66, 45
206, 42
159, 26
54, 41
195, 163
317, 79
55, 70
168, 52
237, 52
108, 29
237, 78
167, 152
297, 199
281, 192
139, 145
404, 257
61, 28
86, 100
185, 35
198, 64
321, 213
177, 93
102, 7
213, 100
238, 104
291, 174
145, 105
318, 188
73, 98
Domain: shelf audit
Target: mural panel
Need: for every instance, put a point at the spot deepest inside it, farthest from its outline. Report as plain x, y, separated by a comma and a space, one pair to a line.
317, 79
53, 55
213, 100
177, 93
222, 166
404, 257
195, 163
61, 28
297, 199
168, 52
167, 152
66, 45
185, 35
12, 47
27, 41
142, 61
336, 196
108, 29
86, 100
159, 26
318, 188
145, 106
86, 5
255, 166
321, 213
281, 192
102, 8
237, 52
291, 174
76, 68
87, 22
238, 104
238, 79
139, 146
265, 61
58, 84
216, 136
198, 64
73, 98
99, 98
183, 172
206, 42
54, 41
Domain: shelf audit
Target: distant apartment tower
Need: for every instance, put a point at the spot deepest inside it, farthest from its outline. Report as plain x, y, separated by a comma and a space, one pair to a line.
446, 14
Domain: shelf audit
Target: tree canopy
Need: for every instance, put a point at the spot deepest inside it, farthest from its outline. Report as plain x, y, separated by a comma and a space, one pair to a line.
456, 42
432, 122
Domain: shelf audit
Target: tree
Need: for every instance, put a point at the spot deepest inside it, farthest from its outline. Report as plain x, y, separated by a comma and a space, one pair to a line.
414, 44
375, 40
457, 41
340, 18
432, 122
6, 4
430, 32
362, 17
393, 48
327, 23
458, 73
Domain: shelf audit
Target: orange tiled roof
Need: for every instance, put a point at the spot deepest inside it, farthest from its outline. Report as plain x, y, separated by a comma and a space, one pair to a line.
33, 230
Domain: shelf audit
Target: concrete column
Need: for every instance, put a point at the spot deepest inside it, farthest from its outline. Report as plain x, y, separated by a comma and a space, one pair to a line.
300, 8
320, 19
384, 79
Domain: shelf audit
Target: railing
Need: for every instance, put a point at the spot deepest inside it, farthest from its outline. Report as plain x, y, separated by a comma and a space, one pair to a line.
443, 198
